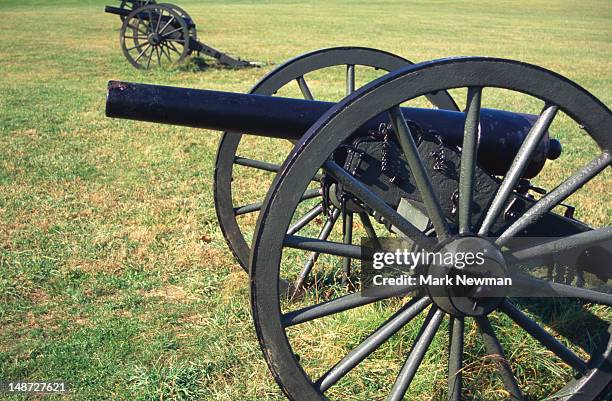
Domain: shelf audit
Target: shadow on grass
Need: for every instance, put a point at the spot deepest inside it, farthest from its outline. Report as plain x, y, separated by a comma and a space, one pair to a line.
571, 319
201, 64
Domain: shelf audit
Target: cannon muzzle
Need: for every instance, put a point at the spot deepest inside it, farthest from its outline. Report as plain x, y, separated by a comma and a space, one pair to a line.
501, 132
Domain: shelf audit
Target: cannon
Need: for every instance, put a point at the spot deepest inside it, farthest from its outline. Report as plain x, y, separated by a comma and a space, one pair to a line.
438, 177
160, 35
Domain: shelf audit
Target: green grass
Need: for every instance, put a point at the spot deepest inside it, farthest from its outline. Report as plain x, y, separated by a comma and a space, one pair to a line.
114, 275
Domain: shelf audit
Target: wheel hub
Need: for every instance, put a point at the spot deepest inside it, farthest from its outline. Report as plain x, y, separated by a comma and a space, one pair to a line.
467, 277
155, 39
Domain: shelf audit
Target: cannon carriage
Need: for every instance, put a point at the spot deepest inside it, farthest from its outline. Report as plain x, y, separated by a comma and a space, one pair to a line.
440, 177
161, 34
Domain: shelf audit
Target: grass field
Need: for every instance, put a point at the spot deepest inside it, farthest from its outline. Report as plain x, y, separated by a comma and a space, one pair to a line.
114, 275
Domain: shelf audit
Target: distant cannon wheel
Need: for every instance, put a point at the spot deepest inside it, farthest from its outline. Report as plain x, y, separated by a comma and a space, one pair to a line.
193, 33
154, 36
346, 63
130, 5
336, 344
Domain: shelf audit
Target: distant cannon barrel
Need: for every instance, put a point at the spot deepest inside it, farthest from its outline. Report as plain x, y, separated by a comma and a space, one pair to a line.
501, 132
117, 11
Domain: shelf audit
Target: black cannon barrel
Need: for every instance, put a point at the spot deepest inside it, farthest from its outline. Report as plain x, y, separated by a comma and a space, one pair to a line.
501, 132
117, 11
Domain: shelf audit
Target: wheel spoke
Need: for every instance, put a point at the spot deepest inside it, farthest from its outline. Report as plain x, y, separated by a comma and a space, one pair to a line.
455, 359
322, 246
325, 231
369, 229
159, 18
140, 26
304, 88
372, 342
258, 164
167, 24
255, 207
520, 162
149, 26
494, 349
347, 238
139, 45
556, 196
142, 53
417, 168
166, 52
143, 24
262, 165
529, 286
158, 56
135, 28
350, 79
379, 205
337, 305
547, 340
469, 150
135, 37
150, 21
559, 246
165, 35
424, 339
144, 32
172, 47
150, 57
307, 218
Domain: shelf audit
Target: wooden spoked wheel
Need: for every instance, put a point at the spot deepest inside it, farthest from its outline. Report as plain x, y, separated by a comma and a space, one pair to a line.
322, 348
155, 36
